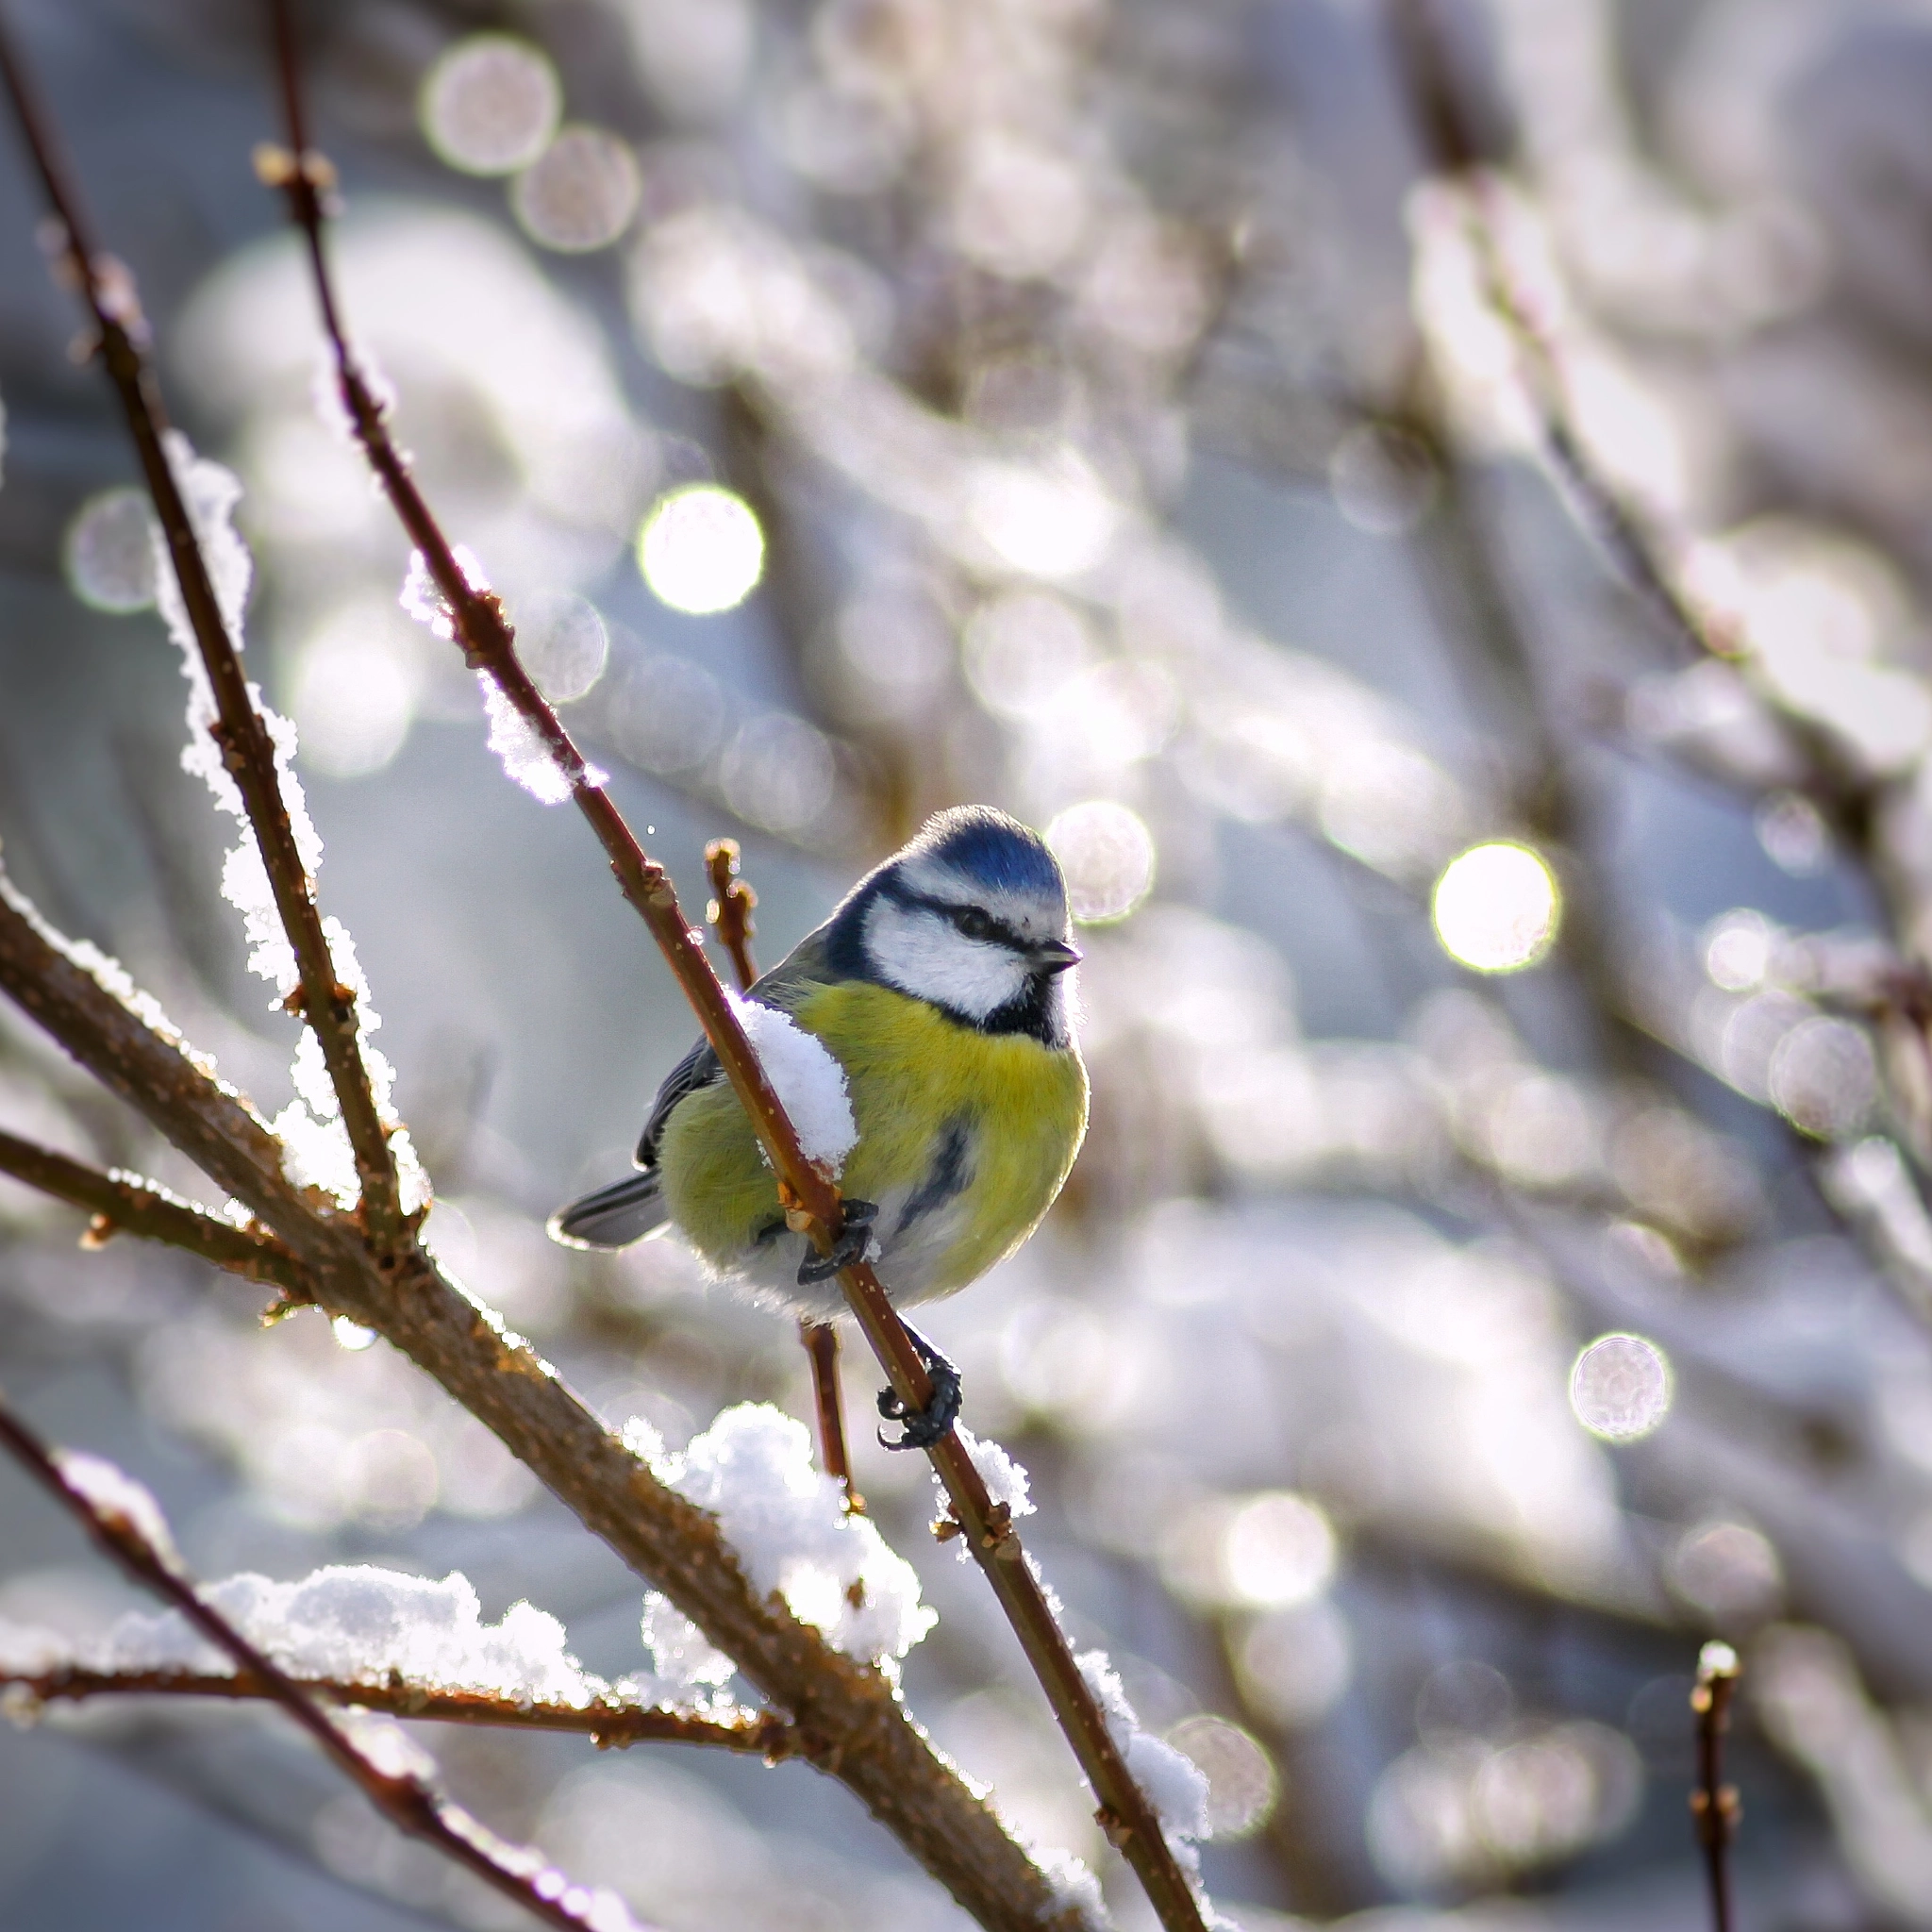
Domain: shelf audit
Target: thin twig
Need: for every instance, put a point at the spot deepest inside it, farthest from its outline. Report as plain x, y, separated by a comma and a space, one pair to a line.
1714, 1806
729, 915
115, 1522
120, 1204
326, 1003
811, 1201
730, 909
612, 1724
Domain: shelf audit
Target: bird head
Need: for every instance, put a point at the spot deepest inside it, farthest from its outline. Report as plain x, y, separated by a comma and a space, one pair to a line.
971, 916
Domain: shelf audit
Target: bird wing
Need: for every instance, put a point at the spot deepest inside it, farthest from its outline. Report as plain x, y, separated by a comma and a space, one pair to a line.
803, 967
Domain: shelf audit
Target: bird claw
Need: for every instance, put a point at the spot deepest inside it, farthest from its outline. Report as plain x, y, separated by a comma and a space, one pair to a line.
922, 1428
854, 1233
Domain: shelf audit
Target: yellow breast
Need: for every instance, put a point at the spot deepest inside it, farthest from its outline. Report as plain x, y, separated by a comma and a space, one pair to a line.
1019, 1109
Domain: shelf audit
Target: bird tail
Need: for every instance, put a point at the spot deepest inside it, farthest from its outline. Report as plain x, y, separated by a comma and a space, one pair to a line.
613, 1216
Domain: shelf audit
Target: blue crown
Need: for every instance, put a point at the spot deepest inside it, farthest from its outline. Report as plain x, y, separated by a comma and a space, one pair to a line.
987, 845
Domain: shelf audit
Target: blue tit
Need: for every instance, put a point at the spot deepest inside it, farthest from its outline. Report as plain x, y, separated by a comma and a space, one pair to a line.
939, 987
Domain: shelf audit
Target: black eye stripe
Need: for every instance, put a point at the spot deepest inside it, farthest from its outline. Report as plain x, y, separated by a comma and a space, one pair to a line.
996, 930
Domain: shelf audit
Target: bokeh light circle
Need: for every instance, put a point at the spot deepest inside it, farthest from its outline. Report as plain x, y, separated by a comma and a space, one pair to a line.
1497, 907
701, 549
1620, 1388
490, 103
109, 552
1107, 856
580, 193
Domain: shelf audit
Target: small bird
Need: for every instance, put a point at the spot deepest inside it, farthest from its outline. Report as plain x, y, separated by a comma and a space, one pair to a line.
939, 985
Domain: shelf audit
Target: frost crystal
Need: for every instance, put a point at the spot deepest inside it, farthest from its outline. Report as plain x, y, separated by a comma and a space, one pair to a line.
809, 1083
752, 1470
1006, 1480
683, 1660
115, 1497
527, 755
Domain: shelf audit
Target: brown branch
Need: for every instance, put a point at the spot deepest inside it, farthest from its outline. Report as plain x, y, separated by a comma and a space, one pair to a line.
1714, 1806
729, 916
120, 1204
848, 1721
249, 755
611, 1723
403, 1797
811, 1201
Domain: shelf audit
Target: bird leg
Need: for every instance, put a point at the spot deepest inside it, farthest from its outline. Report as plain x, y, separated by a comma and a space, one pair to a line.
854, 1232
924, 1426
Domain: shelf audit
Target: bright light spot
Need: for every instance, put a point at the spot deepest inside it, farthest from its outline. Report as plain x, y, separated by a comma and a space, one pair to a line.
108, 554
1107, 856
563, 644
701, 549
1729, 1572
1823, 1078
489, 106
1737, 953
580, 193
1241, 1782
1053, 521
1793, 834
355, 691
1277, 1550
351, 1334
778, 772
1497, 907
1621, 1388
1294, 1665
1020, 653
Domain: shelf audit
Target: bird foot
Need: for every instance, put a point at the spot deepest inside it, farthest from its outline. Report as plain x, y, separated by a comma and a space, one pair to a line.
922, 1428
854, 1232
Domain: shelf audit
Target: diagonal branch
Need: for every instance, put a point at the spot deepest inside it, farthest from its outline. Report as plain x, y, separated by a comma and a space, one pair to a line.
612, 1724
119, 1203
812, 1201
326, 1004
122, 1519
847, 1718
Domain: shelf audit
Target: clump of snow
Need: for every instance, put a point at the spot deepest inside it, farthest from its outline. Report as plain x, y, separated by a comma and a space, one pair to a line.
1074, 1887
646, 1442
358, 1623
526, 754
118, 1500
684, 1662
1172, 1783
809, 1083
752, 1470
423, 599
1006, 1480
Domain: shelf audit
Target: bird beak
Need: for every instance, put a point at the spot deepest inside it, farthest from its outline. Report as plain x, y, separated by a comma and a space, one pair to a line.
1054, 956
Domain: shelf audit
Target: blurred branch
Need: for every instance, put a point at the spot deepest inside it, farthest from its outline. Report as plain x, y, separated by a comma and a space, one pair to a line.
326, 1003
612, 1724
1714, 1805
122, 1519
121, 1203
811, 1201
729, 914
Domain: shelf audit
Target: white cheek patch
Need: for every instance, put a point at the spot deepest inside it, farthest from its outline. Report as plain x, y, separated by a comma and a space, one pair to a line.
918, 952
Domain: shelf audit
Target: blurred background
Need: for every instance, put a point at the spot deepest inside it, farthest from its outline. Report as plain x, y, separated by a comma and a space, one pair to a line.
1273, 445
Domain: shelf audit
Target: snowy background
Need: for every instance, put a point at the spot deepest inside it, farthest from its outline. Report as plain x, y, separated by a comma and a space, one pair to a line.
1131, 442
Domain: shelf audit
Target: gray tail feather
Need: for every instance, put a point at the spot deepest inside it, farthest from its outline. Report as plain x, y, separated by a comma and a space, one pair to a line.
613, 1216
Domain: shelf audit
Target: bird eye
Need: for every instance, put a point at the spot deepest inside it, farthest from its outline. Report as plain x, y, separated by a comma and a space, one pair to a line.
971, 923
